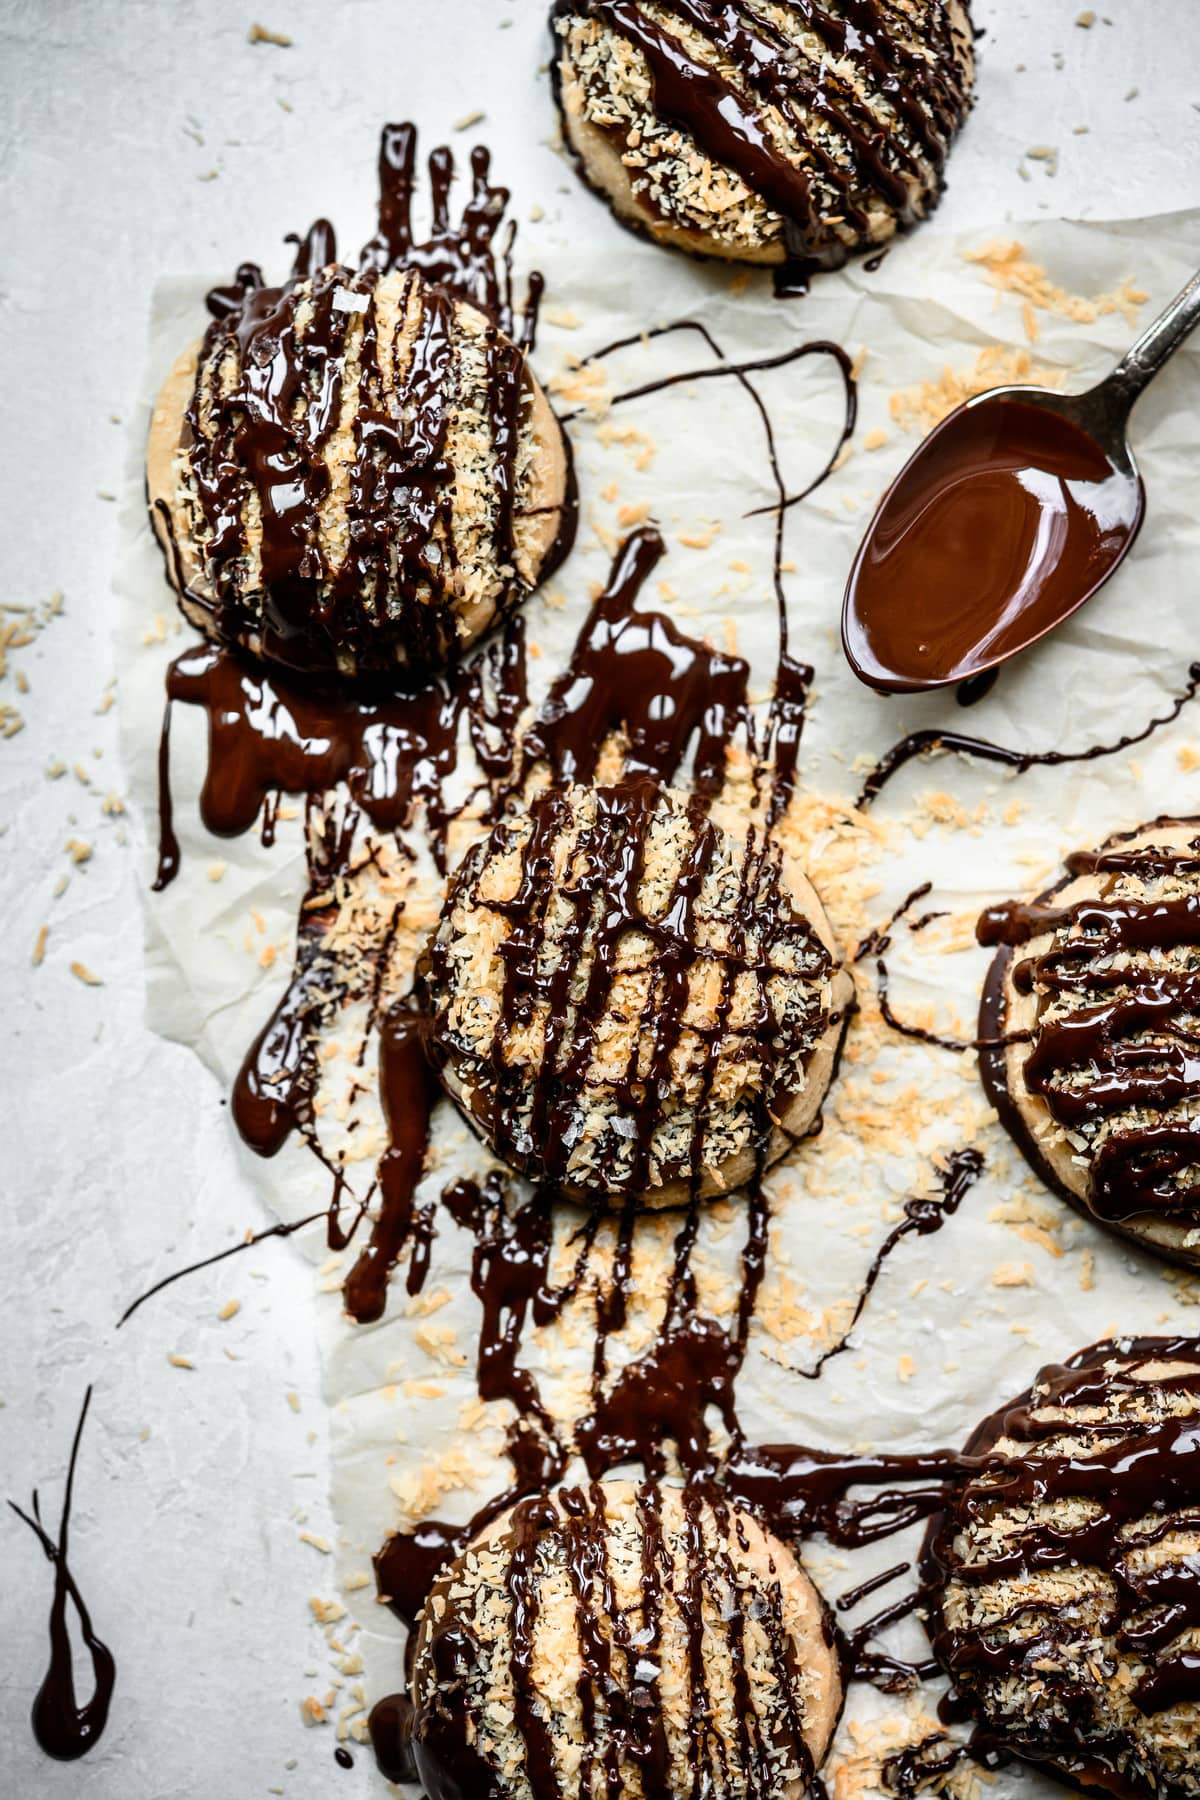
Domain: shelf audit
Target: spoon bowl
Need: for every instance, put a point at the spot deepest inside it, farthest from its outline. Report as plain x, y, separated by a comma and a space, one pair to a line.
1010, 515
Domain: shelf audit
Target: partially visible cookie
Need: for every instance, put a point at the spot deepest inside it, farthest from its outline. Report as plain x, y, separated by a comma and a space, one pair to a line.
355, 473
1095, 994
624, 1638
627, 1001
780, 133
1066, 1574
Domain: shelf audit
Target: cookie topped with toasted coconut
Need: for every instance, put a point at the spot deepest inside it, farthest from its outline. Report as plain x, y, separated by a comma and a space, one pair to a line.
778, 133
629, 1001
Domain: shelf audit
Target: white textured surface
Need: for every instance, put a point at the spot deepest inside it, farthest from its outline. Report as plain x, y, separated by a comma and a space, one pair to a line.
118, 1162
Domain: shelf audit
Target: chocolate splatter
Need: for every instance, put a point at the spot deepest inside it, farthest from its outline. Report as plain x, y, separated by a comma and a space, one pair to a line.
65, 1728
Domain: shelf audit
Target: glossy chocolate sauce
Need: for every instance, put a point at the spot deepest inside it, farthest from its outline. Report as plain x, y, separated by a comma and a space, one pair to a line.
64, 1727
269, 734
822, 105
259, 440
1004, 522
1139, 1483
406, 1088
921, 743
1120, 1049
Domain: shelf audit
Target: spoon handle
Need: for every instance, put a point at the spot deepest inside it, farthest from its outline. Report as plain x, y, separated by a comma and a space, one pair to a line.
1159, 341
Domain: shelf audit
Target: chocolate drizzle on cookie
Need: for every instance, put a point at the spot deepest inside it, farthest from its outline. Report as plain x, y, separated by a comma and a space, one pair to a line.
1088, 1500
855, 127
706, 1614
1113, 1055
318, 460
673, 937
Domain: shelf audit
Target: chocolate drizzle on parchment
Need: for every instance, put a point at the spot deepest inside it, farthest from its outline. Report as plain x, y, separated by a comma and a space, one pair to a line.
671, 1408
678, 706
843, 147
921, 743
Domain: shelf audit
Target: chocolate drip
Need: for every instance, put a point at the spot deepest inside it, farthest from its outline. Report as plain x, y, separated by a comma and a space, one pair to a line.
65, 1729
447, 1766
879, 940
258, 438
529, 1520
1119, 1048
741, 373
460, 258
246, 1243
1131, 1485
408, 1092
664, 1397
821, 106
660, 1399
924, 1767
510, 1278
636, 672
919, 742
923, 1216
390, 1724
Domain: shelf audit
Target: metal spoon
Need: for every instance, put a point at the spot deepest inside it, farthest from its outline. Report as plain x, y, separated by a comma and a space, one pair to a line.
1011, 514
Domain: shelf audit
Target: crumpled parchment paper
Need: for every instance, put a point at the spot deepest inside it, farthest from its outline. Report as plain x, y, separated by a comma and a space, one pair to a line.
960, 1320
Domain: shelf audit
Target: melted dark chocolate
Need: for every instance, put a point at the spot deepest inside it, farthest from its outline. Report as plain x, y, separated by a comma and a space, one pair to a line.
268, 734
65, 1728
1004, 522
922, 1217
406, 1089
1128, 1474
848, 159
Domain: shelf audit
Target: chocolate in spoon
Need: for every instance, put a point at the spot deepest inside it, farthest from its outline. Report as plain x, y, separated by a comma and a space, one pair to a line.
1010, 515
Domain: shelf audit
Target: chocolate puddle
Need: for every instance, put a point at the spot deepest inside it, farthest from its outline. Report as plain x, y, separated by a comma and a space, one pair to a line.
1002, 524
64, 1728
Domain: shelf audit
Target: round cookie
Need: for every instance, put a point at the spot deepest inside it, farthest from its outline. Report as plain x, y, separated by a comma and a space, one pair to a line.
1066, 1575
643, 1639
629, 1003
791, 133
1094, 995
355, 473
